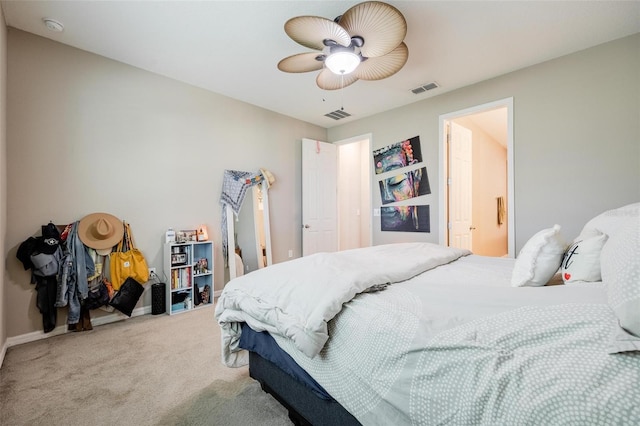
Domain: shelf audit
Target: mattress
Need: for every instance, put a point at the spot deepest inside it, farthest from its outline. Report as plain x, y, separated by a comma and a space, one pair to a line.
263, 344
305, 408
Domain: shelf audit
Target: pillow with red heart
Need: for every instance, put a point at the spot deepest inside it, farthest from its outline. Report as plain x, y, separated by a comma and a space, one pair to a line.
581, 261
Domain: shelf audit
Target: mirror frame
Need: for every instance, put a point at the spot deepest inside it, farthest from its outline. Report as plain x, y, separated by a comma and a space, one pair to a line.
231, 240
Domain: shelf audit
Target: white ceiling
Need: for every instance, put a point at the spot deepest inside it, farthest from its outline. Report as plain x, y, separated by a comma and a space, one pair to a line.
233, 47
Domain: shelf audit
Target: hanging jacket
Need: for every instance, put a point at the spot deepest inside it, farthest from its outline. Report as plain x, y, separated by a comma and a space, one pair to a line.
65, 274
77, 265
44, 270
64, 270
84, 265
46, 289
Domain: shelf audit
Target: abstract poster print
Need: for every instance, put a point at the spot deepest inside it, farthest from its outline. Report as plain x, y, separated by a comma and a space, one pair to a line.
405, 218
404, 186
397, 155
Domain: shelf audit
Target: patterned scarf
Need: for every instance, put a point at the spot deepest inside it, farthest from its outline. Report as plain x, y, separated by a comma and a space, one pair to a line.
234, 188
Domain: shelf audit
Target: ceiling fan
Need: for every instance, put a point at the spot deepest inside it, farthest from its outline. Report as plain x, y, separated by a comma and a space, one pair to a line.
365, 43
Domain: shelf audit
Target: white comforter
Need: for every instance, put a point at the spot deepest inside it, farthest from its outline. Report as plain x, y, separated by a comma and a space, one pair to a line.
457, 345
296, 299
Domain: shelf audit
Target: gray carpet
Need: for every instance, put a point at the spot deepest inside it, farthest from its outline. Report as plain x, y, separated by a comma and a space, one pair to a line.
148, 370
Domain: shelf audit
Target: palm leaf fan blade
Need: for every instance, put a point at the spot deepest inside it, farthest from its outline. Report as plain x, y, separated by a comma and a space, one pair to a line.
302, 62
381, 25
327, 80
383, 66
311, 31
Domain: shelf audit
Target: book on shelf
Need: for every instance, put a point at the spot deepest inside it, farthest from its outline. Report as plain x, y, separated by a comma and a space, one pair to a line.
181, 278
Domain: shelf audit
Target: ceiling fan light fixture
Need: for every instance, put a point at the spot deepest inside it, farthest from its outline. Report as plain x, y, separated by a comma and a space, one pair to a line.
342, 62
364, 43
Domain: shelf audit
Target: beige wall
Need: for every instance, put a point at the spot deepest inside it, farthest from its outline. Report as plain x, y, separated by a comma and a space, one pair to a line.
93, 127
576, 138
88, 134
3, 183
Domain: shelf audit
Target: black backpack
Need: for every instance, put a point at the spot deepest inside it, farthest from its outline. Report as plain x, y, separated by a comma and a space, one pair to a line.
42, 254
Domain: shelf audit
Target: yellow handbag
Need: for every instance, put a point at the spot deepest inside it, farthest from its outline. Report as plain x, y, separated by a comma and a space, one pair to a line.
127, 261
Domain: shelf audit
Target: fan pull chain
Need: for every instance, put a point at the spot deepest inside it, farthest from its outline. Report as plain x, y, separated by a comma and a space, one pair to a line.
342, 92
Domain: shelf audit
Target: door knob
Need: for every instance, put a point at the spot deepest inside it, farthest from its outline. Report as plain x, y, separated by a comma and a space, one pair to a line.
471, 228
306, 226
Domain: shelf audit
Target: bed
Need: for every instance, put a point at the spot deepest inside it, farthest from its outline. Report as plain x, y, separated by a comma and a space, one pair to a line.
418, 333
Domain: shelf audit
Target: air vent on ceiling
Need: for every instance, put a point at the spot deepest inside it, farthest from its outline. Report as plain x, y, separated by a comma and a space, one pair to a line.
428, 86
338, 114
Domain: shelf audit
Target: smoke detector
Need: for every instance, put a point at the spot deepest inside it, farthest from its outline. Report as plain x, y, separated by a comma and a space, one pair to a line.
53, 25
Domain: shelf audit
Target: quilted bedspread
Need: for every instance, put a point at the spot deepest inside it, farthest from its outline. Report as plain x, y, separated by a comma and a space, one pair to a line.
437, 350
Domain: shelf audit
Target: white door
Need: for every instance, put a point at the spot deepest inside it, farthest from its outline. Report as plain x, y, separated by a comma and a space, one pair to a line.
460, 186
319, 201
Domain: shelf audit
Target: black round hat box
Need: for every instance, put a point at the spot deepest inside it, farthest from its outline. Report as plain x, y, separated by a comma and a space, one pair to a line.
158, 298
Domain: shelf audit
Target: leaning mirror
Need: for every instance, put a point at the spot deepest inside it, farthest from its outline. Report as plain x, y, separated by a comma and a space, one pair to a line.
248, 233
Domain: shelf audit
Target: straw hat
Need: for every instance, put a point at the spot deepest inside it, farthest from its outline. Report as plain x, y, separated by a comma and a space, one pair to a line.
100, 231
268, 176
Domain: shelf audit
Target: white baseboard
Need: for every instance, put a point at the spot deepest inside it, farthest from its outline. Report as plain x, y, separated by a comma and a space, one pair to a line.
62, 329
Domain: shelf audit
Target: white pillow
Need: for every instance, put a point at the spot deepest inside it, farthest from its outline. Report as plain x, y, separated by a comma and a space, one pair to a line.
620, 262
539, 259
581, 261
610, 221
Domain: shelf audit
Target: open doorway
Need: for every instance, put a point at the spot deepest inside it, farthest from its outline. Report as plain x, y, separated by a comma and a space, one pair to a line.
354, 193
336, 194
477, 179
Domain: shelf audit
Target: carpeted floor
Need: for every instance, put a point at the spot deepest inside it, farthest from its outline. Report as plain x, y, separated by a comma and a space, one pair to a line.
147, 370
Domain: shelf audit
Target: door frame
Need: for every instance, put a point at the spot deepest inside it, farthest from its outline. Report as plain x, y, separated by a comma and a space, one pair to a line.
442, 147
